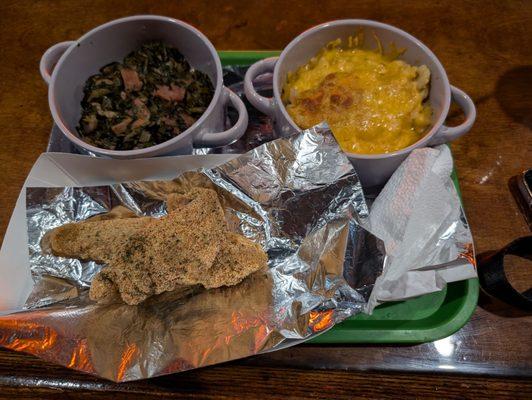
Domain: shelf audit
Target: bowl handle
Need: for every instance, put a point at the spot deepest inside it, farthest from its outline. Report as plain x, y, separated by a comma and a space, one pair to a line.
228, 136
449, 133
50, 58
261, 103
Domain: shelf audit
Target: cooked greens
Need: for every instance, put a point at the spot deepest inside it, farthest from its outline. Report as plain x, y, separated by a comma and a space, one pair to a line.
149, 98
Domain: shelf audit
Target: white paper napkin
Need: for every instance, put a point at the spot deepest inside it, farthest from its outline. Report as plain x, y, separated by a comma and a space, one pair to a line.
418, 216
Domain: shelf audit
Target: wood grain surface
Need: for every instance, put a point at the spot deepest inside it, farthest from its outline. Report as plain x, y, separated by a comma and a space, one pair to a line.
485, 46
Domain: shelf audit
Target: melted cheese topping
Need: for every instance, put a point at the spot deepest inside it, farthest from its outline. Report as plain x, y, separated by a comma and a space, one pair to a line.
372, 103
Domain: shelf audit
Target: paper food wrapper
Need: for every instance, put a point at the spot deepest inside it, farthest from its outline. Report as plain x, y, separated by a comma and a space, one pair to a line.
419, 218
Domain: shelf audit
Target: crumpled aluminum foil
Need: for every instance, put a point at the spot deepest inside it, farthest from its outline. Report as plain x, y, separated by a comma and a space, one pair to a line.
299, 197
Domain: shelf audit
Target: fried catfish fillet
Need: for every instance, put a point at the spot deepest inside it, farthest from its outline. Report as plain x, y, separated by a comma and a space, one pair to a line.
147, 256
237, 258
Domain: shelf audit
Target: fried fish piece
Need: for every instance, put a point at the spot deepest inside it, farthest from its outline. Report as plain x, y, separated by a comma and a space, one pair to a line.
238, 258
92, 240
147, 256
103, 288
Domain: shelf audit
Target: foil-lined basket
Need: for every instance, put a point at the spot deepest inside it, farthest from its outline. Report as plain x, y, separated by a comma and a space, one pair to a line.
299, 197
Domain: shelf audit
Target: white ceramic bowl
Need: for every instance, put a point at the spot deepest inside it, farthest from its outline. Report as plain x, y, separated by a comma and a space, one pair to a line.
66, 67
373, 169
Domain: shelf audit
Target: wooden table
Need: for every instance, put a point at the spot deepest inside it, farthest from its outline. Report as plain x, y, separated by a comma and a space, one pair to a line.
485, 48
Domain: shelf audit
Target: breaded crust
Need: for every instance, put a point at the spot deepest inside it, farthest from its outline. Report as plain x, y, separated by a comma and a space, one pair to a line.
147, 256
93, 240
238, 258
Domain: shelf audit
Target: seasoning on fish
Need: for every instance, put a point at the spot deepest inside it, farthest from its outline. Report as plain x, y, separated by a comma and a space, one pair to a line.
146, 256
149, 98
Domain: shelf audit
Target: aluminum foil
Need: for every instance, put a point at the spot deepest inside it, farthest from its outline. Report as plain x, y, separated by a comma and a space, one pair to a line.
298, 197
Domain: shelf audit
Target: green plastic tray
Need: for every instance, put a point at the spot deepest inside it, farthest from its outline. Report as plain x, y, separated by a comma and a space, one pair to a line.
422, 319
